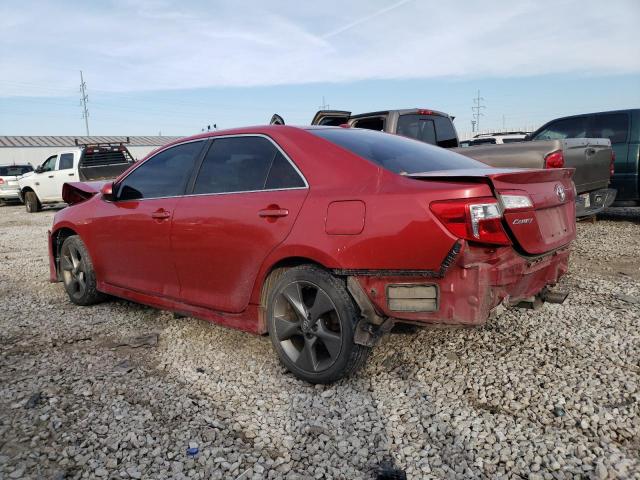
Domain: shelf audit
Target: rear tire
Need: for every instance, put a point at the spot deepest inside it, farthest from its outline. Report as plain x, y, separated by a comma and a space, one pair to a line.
31, 202
78, 274
311, 320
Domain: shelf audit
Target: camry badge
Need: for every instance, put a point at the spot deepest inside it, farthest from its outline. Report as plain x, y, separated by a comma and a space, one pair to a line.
560, 193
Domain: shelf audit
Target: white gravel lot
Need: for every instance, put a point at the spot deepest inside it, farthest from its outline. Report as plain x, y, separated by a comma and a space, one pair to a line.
552, 393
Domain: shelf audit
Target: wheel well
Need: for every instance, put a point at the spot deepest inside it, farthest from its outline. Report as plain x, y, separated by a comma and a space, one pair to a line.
272, 276
57, 239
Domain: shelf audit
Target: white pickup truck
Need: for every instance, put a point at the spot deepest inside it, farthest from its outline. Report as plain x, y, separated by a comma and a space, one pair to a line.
99, 161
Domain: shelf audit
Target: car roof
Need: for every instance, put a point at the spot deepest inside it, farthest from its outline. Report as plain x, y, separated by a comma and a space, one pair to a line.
401, 111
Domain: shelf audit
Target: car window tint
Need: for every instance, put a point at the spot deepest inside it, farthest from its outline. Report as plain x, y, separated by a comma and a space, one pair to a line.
445, 133
15, 170
394, 152
236, 164
66, 161
415, 126
613, 126
49, 164
565, 128
163, 175
283, 175
375, 123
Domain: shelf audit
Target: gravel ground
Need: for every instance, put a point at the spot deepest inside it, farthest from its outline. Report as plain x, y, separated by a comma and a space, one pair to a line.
552, 393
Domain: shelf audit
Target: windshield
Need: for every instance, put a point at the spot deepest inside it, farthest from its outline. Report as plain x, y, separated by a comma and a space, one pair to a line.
15, 170
393, 152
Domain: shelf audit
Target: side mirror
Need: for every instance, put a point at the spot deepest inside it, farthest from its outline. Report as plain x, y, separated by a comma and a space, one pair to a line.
39, 169
107, 191
527, 137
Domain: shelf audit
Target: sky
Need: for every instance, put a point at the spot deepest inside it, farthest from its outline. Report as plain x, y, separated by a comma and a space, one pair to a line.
174, 67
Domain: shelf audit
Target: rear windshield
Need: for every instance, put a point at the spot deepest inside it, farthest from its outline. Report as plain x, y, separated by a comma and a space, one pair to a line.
15, 170
432, 129
103, 155
396, 153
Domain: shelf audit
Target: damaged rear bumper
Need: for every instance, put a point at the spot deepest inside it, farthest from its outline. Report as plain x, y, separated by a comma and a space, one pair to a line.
476, 282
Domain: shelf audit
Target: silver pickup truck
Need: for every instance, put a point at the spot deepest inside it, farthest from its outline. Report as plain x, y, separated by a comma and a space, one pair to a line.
592, 158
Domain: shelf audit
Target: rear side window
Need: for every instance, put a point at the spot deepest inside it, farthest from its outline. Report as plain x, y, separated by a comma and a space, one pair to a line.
435, 130
15, 170
565, 128
245, 164
163, 175
613, 126
376, 123
395, 153
66, 161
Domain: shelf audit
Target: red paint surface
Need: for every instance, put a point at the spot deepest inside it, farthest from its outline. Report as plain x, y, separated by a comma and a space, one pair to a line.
210, 255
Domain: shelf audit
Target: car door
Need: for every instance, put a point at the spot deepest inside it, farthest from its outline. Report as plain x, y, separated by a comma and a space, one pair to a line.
243, 203
63, 173
133, 238
615, 127
44, 179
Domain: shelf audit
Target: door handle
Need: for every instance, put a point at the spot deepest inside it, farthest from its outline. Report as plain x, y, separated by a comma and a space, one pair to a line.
161, 214
71, 174
273, 212
50, 176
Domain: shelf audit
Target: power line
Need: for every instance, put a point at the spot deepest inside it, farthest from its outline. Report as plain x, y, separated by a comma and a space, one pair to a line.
477, 112
84, 98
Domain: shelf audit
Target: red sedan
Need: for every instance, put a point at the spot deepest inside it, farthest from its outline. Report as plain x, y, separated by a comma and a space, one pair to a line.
322, 237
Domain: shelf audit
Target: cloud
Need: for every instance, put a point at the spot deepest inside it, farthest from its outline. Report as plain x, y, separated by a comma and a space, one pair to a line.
127, 45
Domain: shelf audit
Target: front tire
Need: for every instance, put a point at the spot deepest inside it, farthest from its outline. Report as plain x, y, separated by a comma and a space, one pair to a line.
311, 321
78, 274
31, 202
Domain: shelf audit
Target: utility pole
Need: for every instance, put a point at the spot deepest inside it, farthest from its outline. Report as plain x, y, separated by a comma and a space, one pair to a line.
324, 106
477, 110
504, 123
84, 98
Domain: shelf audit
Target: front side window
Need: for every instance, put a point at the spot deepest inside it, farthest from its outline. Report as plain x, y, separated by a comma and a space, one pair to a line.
49, 164
163, 175
613, 126
565, 128
245, 164
66, 161
396, 153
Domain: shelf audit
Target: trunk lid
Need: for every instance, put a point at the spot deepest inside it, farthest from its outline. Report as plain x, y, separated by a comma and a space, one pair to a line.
548, 224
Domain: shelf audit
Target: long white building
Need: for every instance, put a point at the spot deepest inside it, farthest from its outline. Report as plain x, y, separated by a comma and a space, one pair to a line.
36, 149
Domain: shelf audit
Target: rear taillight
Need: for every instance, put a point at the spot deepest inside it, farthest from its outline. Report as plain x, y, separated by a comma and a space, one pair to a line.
474, 219
554, 160
612, 167
1, 181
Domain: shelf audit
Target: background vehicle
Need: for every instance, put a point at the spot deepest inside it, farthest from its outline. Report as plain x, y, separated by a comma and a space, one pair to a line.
9, 189
592, 158
90, 162
323, 237
622, 128
495, 138
429, 126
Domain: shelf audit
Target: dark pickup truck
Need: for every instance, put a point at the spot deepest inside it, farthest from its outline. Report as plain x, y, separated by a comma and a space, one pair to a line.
591, 157
622, 129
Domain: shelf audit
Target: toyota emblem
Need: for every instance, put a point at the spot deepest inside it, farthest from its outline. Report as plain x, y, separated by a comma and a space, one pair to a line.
560, 192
